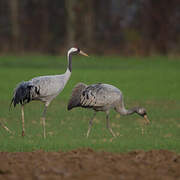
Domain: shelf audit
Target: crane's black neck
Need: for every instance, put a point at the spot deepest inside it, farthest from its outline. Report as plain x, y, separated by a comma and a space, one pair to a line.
70, 62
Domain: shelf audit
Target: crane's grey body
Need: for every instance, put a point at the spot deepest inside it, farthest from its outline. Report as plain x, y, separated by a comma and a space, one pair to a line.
49, 86
43, 88
46, 88
101, 97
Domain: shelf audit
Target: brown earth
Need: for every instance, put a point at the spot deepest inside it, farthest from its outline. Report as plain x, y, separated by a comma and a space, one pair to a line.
86, 164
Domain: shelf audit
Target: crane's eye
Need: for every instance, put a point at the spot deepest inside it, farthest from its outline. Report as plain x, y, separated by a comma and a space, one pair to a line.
78, 50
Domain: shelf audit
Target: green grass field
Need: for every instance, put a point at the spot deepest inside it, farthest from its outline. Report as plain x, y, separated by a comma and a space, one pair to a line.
153, 83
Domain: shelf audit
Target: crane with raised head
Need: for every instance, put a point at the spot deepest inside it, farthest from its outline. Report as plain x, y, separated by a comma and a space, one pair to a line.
102, 97
43, 88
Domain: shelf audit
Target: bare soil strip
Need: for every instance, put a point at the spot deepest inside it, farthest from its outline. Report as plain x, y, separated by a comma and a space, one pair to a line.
85, 164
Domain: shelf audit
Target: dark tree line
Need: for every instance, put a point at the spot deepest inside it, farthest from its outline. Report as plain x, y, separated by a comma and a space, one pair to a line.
140, 27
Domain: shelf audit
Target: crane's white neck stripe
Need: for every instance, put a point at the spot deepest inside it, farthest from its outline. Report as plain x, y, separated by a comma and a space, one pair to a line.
69, 57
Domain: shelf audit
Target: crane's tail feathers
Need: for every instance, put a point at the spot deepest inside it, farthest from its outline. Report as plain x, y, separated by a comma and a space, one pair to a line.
22, 94
76, 94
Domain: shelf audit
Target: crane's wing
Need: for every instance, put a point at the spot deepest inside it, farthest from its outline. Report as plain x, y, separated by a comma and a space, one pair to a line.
49, 85
98, 95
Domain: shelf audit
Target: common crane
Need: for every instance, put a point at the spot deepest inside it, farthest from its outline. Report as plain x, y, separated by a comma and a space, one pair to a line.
43, 88
101, 97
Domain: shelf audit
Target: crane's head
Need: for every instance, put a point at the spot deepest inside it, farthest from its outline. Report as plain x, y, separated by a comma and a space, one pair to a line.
142, 112
75, 50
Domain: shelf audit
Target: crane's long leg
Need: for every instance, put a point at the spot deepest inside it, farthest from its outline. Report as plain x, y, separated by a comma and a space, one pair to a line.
108, 124
91, 123
44, 121
22, 114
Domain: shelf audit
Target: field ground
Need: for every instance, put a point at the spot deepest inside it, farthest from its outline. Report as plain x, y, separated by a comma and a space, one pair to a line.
87, 164
149, 82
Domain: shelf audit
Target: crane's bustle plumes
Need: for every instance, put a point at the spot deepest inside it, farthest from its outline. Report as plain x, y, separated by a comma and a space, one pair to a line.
23, 93
75, 98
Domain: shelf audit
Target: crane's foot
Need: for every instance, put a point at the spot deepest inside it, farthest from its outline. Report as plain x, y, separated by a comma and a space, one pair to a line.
23, 134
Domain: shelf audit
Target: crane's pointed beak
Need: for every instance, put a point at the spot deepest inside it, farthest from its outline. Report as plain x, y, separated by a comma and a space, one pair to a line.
146, 119
83, 53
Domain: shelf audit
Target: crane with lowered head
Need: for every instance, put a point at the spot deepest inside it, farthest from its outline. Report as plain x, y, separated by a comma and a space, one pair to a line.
101, 97
43, 88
